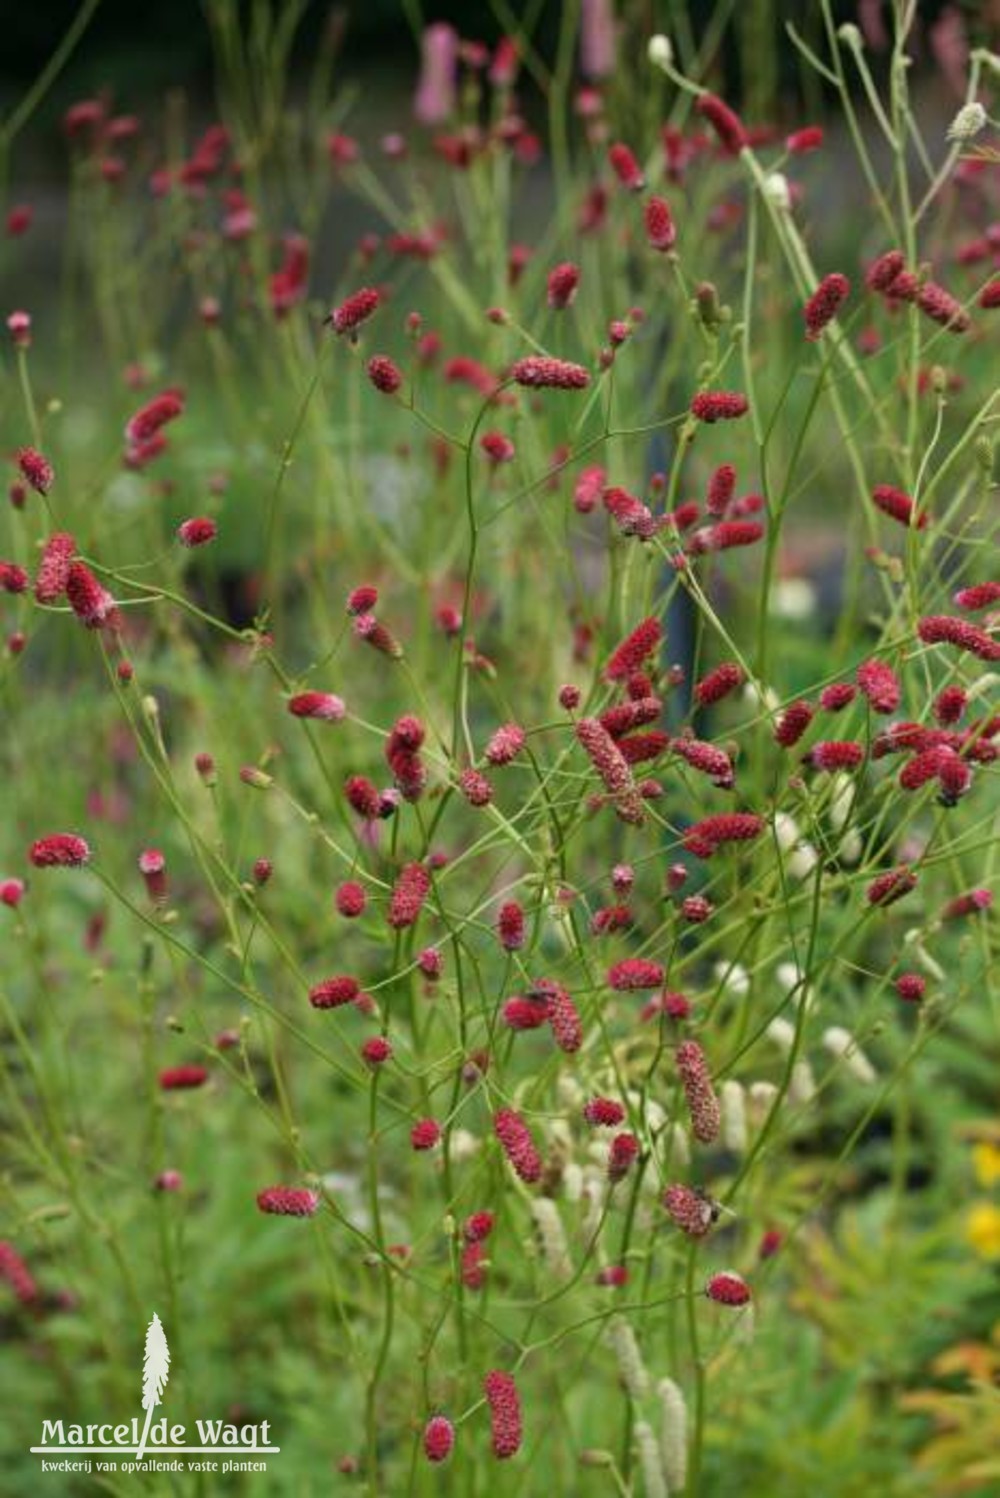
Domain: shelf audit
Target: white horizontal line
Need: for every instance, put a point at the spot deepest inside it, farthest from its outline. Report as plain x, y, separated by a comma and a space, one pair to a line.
155, 1450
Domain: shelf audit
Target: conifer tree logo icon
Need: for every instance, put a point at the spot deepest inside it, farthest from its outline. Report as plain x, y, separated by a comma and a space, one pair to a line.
155, 1372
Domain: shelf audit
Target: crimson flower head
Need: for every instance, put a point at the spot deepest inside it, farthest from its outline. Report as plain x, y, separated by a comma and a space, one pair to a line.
634, 650
704, 837
176, 1078
325, 706
622, 1153
359, 306
92, 604
885, 270
886, 888
689, 1210
898, 506
542, 373
518, 1145
719, 405
613, 768
362, 599
497, 447
288, 1201
944, 629
911, 987
439, 1438
978, 596
563, 282
59, 850
409, 893
13, 579
376, 1051
36, 469
724, 121
603, 1112
425, 1134
728, 1289
510, 926
661, 231
809, 138
718, 683
703, 1105
148, 420
384, 374
506, 743
793, 723
625, 167
505, 1413
825, 302
635, 973
879, 684
197, 531
11, 892
333, 993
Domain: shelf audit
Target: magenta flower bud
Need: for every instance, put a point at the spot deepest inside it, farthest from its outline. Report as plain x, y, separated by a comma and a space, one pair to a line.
727, 125
11, 892
728, 1289
384, 374
350, 899
703, 1105
19, 328
425, 1134
197, 531
898, 506
63, 850
439, 1438
825, 302
719, 405
324, 706
261, 872
53, 569
563, 282
510, 926
911, 987
288, 1201
622, 1153
505, 1413
376, 1051
334, 993
153, 868
183, 1078
358, 307
661, 231
169, 1180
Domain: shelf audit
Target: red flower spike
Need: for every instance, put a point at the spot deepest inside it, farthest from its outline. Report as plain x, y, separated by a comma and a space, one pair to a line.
153, 868
334, 993
409, 893
633, 974
477, 1227
704, 837
725, 536
721, 487
707, 759
539, 372
13, 579
636, 648
384, 374
376, 634
972, 903
376, 1051
661, 231
518, 1145
610, 764
92, 604
563, 283
475, 787
177, 1078
911, 987
941, 307
879, 684
425, 1134
350, 899
15, 1271
688, 1210
363, 797
62, 850
625, 167
510, 926
147, 421
834, 698
562, 1016
439, 1438
349, 316
36, 469
603, 1112
524, 1013
727, 125
505, 1413
885, 270
837, 754
703, 1105
324, 706
718, 683
288, 1201
898, 506
505, 745
719, 405
622, 1154
949, 705
197, 531
696, 909
362, 600
943, 629
810, 138
824, 304
979, 596
728, 1289
886, 888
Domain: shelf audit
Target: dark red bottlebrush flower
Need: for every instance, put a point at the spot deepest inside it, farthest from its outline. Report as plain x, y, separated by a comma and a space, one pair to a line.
603, 1112
707, 759
922, 767
588, 489
333, 993
439, 1438
18, 1276
834, 698
610, 764
632, 517
886, 888
362, 600
430, 962
262, 870
518, 1145
505, 1413
810, 138
635, 973
941, 307
972, 903
902, 738
721, 487
376, 1051
425, 1134
639, 747
174, 1078
636, 648
505, 744
696, 909
477, 1227
363, 797
378, 636
148, 420
36, 469
979, 596
724, 536
621, 1156
538, 372
497, 447
704, 837
92, 604
562, 285
11, 892
837, 754
728, 1289
949, 705
911, 987
142, 454
359, 306
521, 1013
325, 706
718, 683
879, 684
661, 231
288, 1201
562, 1015
475, 787
625, 167
824, 304
630, 715
408, 895
197, 531
409, 774
13, 579
989, 297
899, 506
727, 125
696, 1081
719, 405
885, 270
570, 697
689, 1210
510, 926
613, 1275
59, 850
350, 899
384, 374
944, 629
153, 868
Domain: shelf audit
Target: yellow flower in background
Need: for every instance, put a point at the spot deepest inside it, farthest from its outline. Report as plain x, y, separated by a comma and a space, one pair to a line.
982, 1230
986, 1163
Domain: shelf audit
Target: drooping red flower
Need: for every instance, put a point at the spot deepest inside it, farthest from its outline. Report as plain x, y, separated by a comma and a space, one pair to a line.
837, 696
721, 487
824, 304
941, 307
886, 888
288, 1201
363, 797
505, 744
725, 536
156, 413
510, 926
972, 903
505, 1413
36, 469
384, 373
809, 138
425, 1134
563, 282
333, 993
92, 604
13, 579
706, 758
949, 705
378, 636
689, 1210
622, 1153
53, 569
979, 596
944, 629
625, 167
153, 868
603, 1112
633, 974
718, 683
899, 506
562, 1015
376, 1051
793, 723
359, 306
439, 1438
518, 1145
197, 531
661, 231
408, 895
885, 270
704, 837
475, 787
176, 1078
18, 1276
350, 899
59, 850
719, 405
728, 1289
542, 373
880, 685
325, 706
911, 987
724, 121
612, 767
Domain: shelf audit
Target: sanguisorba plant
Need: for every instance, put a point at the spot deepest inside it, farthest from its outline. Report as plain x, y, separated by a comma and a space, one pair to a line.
444, 811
